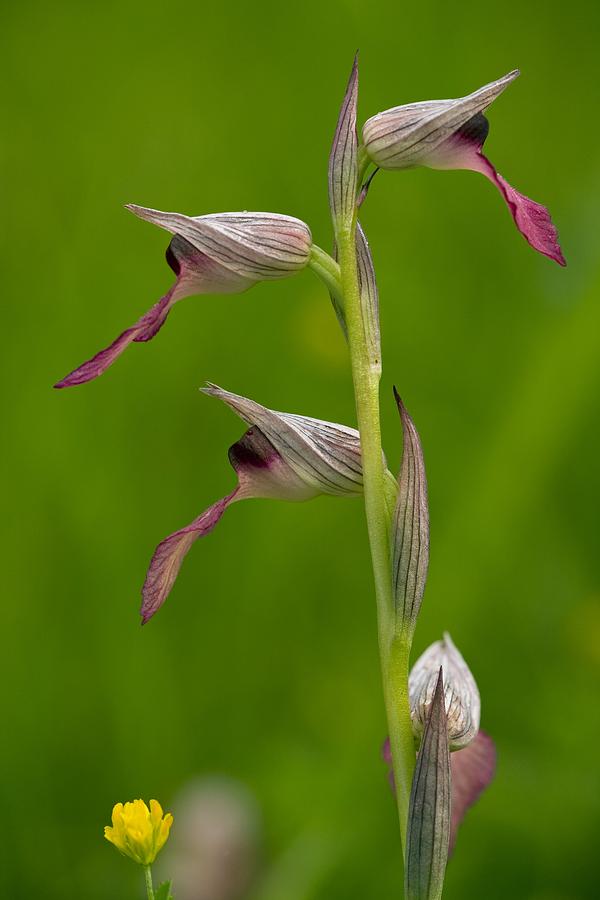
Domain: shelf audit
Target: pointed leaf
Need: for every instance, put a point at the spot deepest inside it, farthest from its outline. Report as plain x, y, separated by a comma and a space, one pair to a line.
343, 159
369, 298
410, 535
429, 811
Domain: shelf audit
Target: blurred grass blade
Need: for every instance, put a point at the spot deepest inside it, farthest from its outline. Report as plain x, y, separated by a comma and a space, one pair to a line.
343, 159
163, 892
369, 299
429, 812
410, 536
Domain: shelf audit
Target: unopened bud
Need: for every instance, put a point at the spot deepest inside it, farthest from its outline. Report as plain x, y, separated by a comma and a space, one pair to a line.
462, 701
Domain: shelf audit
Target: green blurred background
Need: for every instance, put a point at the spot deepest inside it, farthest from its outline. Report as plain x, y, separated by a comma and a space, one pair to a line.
263, 665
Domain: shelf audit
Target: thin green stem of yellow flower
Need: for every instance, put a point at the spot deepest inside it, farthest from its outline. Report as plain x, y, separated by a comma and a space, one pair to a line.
149, 885
394, 651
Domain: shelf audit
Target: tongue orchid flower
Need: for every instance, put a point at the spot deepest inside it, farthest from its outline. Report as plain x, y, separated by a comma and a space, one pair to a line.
449, 134
225, 253
283, 456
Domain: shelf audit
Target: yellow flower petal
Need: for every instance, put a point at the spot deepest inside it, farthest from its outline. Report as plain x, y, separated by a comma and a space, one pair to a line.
156, 812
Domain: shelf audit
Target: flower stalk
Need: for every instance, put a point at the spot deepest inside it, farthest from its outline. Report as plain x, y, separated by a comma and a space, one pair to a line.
149, 885
394, 647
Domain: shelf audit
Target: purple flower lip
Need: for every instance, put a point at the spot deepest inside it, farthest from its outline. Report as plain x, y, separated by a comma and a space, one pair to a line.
449, 134
464, 151
224, 253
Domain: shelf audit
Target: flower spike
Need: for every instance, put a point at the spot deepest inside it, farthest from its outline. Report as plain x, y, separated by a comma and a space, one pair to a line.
223, 253
283, 456
449, 134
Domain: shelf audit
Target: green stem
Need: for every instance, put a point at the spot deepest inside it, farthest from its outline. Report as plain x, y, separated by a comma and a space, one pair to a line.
328, 271
149, 885
394, 651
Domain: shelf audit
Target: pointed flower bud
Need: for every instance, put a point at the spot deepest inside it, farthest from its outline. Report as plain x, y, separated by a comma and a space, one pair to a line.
449, 134
285, 456
224, 253
463, 704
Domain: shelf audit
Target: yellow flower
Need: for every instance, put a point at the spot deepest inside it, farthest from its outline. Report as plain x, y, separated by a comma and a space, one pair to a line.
139, 832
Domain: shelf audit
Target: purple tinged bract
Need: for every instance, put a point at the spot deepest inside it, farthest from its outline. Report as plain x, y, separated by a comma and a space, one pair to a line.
428, 832
472, 768
343, 189
410, 527
449, 134
343, 159
223, 253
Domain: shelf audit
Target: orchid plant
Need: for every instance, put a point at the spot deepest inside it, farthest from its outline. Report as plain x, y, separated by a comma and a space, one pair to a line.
439, 759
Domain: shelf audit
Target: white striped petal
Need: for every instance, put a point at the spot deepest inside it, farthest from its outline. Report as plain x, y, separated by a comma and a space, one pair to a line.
249, 246
326, 456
